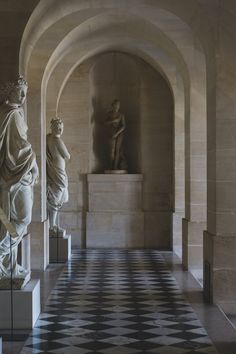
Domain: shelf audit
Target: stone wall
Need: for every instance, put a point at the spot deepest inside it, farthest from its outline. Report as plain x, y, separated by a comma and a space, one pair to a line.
14, 16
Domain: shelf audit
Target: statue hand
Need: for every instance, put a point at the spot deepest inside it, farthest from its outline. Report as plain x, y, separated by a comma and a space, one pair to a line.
35, 180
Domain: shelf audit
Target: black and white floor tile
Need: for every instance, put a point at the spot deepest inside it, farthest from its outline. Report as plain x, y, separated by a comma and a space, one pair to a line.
118, 302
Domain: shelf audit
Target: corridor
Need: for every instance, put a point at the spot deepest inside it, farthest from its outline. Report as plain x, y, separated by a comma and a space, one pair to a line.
122, 302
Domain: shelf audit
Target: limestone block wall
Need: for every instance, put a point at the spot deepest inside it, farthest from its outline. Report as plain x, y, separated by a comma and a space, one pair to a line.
147, 103
13, 19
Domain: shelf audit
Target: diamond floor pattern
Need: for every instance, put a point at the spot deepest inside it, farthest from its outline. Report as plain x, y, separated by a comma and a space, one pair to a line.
117, 302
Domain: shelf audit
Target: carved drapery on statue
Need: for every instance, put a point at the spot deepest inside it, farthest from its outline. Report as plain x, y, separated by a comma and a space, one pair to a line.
57, 192
57, 180
18, 171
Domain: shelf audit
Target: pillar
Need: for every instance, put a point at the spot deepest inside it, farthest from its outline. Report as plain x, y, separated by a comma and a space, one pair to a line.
195, 173
220, 237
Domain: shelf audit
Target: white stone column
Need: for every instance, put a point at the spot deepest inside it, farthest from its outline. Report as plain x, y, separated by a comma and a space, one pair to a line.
179, 141
195, 174
39, 225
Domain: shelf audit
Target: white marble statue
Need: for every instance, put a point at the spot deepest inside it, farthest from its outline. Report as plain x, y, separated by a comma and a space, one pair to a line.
18, 174
57, 181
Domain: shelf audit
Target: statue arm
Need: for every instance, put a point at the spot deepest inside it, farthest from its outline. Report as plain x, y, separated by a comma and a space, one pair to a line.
19, 150
63, 149
35, 172
18, 143
110, 119
22, 136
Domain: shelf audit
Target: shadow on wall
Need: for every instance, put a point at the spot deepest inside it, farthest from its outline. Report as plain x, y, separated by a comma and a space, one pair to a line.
99, 137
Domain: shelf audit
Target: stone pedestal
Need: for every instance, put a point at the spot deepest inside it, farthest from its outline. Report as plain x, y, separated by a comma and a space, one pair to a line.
193, 244
26, 306
220, 271
115, 218
16, 282
59, 249
59, 232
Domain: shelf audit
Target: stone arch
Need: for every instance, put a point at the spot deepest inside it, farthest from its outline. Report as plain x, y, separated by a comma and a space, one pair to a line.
163, 64
84, 88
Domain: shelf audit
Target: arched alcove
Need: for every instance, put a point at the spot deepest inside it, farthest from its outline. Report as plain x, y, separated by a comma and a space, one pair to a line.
147, 103
115, 76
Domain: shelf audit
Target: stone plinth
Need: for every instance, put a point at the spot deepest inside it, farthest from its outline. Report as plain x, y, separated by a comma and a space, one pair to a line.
115, 229
59, 249
115, 218
220, 271
26, 306
58, 232
115, 192
15, 283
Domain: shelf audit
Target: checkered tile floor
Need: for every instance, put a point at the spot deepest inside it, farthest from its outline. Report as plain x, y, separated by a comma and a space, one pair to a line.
118, 302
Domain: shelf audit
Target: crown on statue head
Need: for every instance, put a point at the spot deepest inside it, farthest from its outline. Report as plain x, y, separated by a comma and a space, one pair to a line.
21, 82
56, 121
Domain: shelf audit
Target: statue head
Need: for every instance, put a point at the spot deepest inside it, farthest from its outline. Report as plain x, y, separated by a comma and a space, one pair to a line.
115, 105
14, 92
57, 126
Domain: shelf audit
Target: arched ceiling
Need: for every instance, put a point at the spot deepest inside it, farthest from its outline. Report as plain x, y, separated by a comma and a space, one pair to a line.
62, 33
107, 32
61, 16
55, 26
157, 59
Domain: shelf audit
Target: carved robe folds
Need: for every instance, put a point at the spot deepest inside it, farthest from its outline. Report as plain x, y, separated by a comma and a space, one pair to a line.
16, 162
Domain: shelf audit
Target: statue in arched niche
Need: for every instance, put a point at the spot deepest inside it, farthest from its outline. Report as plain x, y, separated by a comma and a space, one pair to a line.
116, 123
57, 180
18, 174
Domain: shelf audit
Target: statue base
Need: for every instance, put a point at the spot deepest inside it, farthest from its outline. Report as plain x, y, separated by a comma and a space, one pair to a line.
15, 283
115, 218
25, 309
115, 172
57, 232
59, 249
